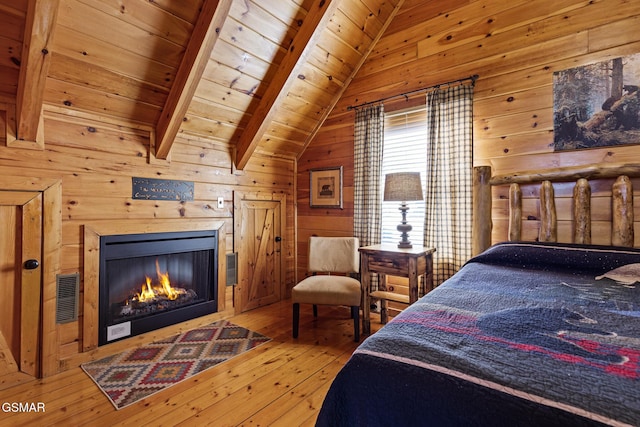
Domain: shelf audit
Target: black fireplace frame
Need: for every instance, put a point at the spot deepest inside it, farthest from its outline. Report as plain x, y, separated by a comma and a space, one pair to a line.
149, 244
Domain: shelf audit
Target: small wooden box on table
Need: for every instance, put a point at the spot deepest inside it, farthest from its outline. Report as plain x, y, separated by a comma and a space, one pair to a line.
388, 259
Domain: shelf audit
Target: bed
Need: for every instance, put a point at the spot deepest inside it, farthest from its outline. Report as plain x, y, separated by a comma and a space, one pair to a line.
526, 333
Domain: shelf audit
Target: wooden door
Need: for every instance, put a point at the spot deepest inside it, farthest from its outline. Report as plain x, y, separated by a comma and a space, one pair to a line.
20, 280
258, 239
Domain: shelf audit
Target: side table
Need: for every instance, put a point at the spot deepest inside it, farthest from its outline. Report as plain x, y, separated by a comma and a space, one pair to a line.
389, 259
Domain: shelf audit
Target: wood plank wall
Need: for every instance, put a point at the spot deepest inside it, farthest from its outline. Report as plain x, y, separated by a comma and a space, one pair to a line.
514, 47
97, 159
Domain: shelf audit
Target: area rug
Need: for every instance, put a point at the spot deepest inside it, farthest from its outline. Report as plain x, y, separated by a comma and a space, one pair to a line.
130, 376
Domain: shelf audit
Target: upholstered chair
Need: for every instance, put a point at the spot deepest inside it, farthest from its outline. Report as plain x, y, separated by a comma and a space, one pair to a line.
331, 259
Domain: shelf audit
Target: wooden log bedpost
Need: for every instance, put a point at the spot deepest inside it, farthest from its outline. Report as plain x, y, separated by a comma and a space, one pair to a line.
515, 213
622, 212
582, 212
548, 217
481, 231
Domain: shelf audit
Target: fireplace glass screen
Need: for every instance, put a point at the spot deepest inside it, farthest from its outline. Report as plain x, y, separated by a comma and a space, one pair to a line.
148, 281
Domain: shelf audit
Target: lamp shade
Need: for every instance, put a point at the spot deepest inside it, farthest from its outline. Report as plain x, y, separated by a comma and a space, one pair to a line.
402, 186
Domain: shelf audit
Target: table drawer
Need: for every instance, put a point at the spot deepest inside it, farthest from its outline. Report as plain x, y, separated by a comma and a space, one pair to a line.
388, 265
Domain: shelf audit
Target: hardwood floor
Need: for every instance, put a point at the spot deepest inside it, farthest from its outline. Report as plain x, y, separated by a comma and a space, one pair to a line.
282, 382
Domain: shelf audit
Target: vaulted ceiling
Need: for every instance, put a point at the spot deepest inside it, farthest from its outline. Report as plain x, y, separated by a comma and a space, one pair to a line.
254, 75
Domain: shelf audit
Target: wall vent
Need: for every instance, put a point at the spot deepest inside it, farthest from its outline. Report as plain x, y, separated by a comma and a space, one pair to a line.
67, 295
232, 269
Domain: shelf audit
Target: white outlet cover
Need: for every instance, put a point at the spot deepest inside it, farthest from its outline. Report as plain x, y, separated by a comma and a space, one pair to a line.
220, 202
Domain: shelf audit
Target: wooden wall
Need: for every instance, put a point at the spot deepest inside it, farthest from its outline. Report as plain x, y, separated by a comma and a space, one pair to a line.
514, 47
331, 147
95, 161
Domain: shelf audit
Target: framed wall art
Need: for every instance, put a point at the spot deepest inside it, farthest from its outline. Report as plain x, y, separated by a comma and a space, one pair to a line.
326, 187
597, 105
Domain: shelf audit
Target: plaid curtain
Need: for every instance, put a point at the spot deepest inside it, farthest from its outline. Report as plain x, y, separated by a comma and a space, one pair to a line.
367, 206
448, 195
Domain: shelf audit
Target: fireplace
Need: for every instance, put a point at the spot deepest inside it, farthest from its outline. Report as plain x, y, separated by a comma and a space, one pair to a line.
152, 280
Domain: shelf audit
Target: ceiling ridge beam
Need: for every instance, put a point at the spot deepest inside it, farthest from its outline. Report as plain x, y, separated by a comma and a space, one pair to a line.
203, 39
313, 25
349, 79
34, 68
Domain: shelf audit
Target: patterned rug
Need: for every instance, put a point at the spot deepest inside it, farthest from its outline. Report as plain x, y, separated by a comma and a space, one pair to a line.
135, 374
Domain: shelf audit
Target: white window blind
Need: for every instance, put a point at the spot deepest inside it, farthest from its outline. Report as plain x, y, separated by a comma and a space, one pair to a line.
405, 150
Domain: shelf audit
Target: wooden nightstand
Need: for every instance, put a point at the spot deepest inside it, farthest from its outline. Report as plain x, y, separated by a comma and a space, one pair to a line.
389, 259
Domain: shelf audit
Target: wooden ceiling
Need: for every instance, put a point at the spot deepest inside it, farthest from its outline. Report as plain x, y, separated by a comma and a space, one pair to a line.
254, 75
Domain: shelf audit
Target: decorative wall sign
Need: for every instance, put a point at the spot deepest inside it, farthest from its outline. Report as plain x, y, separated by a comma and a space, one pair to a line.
326, 187
597, 105
161, 189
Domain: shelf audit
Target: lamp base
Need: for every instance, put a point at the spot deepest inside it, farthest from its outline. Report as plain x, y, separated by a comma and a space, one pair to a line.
404, 228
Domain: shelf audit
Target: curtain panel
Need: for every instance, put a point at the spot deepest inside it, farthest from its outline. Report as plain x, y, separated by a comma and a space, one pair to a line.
448, 196
367, 206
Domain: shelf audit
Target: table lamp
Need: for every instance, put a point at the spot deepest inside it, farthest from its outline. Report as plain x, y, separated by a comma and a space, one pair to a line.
403, 187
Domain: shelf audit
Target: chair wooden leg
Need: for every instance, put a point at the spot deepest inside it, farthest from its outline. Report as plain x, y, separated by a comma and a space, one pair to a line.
355, 313
296, 319
315, 310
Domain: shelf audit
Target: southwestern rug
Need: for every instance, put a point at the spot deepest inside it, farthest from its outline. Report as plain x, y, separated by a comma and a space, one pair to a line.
135, 374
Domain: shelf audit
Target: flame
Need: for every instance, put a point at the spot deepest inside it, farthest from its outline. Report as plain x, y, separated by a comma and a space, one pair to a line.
149, 292
166, 283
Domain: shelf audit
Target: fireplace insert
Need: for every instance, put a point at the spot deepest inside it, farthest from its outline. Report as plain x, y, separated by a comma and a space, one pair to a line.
149, 281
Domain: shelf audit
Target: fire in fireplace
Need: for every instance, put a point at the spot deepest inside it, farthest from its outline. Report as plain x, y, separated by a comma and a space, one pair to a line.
152, 297
149, 281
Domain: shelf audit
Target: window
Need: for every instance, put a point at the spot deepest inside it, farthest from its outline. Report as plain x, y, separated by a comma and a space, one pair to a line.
405, 150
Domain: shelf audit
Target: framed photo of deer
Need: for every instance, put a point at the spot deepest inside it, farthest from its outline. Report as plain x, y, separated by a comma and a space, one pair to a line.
597, 105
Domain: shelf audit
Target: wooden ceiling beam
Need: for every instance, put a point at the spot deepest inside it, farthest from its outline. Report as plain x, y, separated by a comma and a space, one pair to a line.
314, 24
349, 79
34, 67
203, 39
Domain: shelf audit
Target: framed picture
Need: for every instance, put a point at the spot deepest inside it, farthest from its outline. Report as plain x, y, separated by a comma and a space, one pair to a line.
597, 105
326, 188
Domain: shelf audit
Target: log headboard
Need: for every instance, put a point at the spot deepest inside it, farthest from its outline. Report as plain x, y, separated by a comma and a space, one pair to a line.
618, 178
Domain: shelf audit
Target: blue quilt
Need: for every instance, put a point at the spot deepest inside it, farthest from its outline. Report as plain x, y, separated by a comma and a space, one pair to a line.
523, 334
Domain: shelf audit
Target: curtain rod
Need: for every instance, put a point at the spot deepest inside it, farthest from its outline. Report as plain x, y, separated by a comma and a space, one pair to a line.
406, 94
